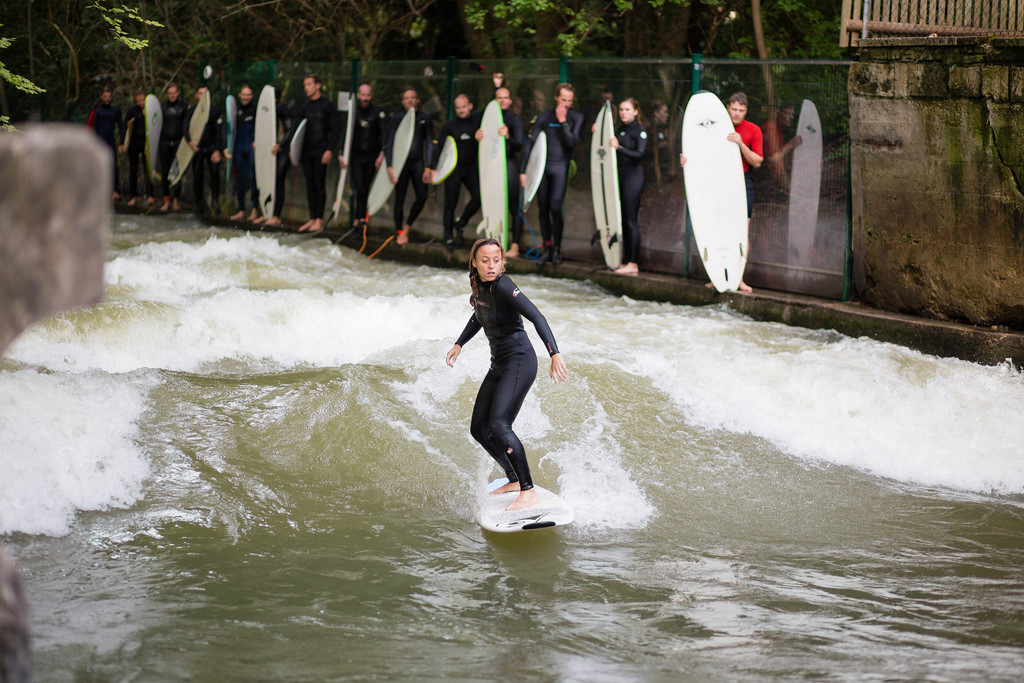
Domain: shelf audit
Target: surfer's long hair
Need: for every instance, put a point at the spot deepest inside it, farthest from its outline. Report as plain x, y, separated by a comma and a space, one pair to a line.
474, 280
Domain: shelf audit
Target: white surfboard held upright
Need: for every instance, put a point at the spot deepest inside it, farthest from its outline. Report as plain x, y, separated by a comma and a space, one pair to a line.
604, 187
716, 194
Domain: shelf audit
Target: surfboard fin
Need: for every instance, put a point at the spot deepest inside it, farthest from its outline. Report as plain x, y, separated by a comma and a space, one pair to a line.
595, 238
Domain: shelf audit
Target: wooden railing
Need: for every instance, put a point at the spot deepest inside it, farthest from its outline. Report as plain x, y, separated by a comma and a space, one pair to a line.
875, 18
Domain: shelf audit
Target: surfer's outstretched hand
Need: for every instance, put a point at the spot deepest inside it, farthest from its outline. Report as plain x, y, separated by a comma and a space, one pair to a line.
559, 372
453, 354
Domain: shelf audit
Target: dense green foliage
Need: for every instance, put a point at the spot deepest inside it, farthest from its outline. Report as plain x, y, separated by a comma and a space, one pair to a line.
71, 48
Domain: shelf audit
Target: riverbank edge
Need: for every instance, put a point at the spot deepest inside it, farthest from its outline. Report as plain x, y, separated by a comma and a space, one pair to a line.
987, 346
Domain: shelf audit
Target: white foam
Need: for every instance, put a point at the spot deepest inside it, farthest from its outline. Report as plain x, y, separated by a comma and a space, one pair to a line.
68, 446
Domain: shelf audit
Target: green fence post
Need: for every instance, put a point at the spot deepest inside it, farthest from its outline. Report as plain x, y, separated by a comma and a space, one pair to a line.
450, 87
698, 67
563, 69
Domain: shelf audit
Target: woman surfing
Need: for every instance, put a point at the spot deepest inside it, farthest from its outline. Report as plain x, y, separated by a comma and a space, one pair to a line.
499, 308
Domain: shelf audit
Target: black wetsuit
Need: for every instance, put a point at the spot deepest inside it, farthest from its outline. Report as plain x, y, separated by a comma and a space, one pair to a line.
170, 137
466, 172
632, 145
243, 158
499, 309
282, 162
321, 135
136, 147
513, 144
210, 141
368, 133
412, 172
562, 139
106, 121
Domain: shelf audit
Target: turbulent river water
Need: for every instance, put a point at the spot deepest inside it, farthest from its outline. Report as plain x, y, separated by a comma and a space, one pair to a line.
250, 462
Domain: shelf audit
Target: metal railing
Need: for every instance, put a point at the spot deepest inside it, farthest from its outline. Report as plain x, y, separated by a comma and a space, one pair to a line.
876, 18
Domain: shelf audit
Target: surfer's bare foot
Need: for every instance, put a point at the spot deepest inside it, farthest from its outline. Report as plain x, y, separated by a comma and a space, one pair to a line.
513, 250
403, 236
511, 487
745, 288
526, 499
258, 221
273, 222
177, 205
166, 206
237, 216
305, 226
317, 226
254, 215
131, 202
628, 269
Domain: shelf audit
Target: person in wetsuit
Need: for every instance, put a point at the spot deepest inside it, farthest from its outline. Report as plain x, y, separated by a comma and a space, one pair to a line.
317, 148
562, 126
512, 131
281, 163
175, 110
105, 120
413, 171
499, 308
368, 133
463, 129
630, 143
207, 155
135, 147
242, 156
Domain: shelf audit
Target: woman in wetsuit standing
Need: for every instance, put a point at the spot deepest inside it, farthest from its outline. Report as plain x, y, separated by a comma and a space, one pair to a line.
499, 308
630, 143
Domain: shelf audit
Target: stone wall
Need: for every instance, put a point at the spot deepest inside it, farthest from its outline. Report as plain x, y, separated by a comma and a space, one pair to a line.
937, 166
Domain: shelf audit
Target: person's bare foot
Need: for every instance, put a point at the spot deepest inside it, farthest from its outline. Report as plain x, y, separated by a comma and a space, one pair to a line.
627, 269
259, 220
745, 288
403, 237
117, 196
177, 205
511, 487
131, 202
237, 216
305, 226
254, 215
526, 499
513, 250
317, 226
166, 206
273, 222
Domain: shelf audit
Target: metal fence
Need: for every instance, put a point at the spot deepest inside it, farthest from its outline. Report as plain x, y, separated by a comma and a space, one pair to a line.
663, 87
864, 18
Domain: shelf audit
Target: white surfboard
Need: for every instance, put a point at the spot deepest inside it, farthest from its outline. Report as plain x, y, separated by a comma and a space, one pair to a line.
805, 183
447, 161
295, 150
346, 103
183, 157
231, 121
154, 124
381, 188
265, 139
550, 511
604, 187
535, 169
493, 169
716, 195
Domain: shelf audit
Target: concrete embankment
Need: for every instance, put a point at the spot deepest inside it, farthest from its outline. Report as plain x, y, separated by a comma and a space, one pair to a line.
989, 346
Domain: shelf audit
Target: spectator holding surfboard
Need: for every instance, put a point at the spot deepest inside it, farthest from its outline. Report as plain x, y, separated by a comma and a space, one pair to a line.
462, 129
241, 155
747, 136
499, 308
174, 111
135, 146
512, 131
630, 143
207, 155
562, 127
413, 170
320, 139
368, 135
